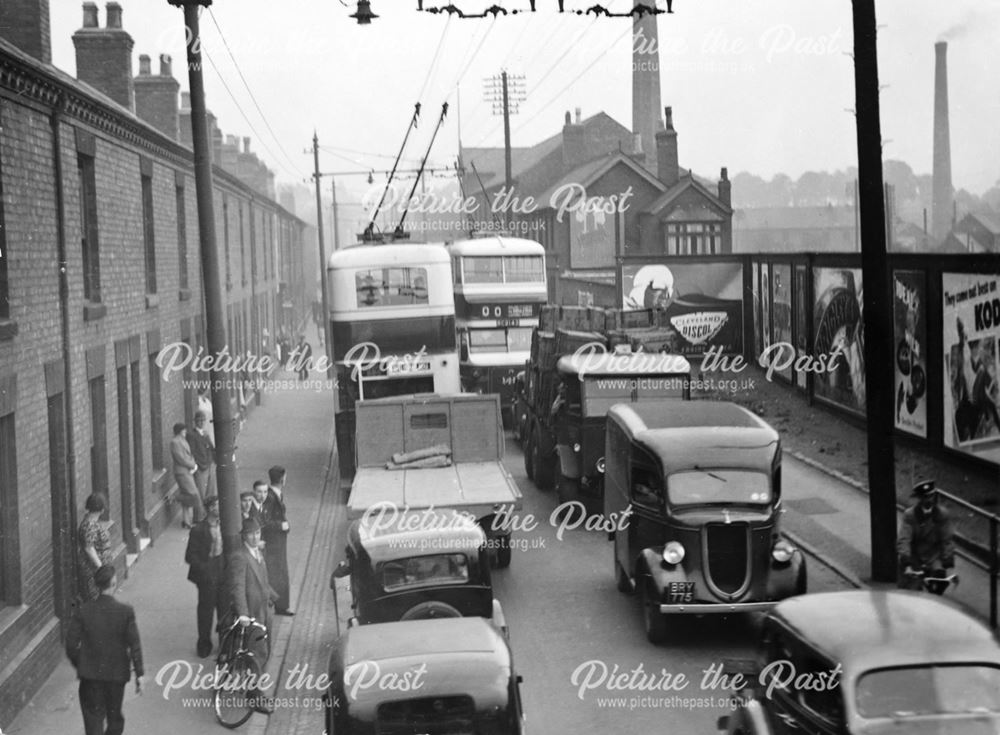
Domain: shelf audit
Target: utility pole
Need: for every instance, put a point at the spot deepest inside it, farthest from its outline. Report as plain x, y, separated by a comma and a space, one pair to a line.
322, 255
877, 311
505, 91
336, 222
215, 320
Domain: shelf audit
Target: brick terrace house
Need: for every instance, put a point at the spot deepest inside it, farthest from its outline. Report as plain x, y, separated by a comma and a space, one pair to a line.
666, 211
99, 269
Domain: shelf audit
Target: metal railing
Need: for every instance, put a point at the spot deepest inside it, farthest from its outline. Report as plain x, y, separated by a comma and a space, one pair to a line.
975, 552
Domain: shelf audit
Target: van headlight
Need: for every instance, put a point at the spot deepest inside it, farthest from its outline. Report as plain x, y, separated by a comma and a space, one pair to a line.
673, 553
782, 552
600, 465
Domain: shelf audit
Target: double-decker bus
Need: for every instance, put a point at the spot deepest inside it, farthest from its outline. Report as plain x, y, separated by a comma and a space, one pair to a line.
499, 291
392, 319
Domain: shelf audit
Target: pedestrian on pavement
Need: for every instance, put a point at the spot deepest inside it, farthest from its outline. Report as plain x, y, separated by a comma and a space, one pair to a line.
303, 358
205, 406
252, 596
184, 469
102, 640
95, 545
274, 530
247, 507
926, 538
203, 450
207, 571
259, 496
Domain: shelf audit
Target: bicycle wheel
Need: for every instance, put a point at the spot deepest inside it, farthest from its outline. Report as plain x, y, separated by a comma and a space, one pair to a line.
236, 689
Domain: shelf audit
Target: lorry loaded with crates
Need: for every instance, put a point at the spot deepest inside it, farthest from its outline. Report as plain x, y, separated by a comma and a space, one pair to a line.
582, 362
432, 452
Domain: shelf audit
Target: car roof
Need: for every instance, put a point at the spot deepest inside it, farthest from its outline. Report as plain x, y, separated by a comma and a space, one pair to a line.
458, 655
397, 535
612, 364
866, 629
685, 435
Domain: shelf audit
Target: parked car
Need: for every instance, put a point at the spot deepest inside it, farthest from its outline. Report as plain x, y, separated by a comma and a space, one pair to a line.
411, 565
868, 661
423, 676
701, 484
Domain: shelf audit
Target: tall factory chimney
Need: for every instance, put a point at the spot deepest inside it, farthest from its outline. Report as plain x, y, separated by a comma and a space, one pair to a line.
941, 212
646, 85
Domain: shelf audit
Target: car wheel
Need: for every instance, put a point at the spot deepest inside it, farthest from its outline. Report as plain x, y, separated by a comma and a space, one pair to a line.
529, 443
655, 621
622, 582
503, 552
431, 609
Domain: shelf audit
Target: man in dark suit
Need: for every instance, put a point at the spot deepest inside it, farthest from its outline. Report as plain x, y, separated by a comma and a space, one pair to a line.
101, 642
274, 531
251, 595
302, 362
203, 451
207, 570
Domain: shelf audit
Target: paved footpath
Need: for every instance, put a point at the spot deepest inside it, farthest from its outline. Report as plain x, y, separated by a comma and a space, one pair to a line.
293, 427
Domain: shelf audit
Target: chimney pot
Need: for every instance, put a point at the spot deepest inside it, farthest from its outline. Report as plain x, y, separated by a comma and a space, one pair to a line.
569, 120
114, 13
668, 114
166, 66
232, 140
144, 65
90, 15
724, 174
578, 116
246, 144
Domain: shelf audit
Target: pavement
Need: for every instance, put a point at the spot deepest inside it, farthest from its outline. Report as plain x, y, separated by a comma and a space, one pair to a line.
825, 514
293, 427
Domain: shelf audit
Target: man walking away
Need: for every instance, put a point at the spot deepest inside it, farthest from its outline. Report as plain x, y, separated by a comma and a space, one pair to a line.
203, 451
303, 358
184, 469
274, 530
207, 571
102, 640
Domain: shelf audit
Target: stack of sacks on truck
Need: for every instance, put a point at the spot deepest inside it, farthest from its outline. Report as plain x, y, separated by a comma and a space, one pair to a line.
437, 456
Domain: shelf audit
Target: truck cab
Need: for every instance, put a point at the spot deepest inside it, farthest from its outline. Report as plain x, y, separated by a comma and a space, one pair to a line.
589, 384
701, 484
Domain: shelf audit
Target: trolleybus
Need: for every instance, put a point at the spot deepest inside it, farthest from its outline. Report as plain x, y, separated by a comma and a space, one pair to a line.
392, 319
499, 291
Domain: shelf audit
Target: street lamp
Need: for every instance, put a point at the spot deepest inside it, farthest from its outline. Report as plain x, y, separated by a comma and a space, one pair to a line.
364, 13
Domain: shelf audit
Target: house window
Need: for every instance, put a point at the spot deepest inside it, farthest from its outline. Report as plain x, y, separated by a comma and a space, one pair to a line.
148, 234
693, 238
182, 247
88, 229
10, 586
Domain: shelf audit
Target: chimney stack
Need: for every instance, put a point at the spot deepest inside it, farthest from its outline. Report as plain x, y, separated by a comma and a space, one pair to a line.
667, 167
941, 211
25, 23
646, 85
574, 144
725, 187
104, 55
156, 97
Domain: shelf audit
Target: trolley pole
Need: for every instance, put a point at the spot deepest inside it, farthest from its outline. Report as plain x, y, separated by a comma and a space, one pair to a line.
221, 390
877, 312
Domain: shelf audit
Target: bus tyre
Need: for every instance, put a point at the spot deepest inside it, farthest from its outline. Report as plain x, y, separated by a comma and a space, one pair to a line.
529, 442
503, 552
655, 621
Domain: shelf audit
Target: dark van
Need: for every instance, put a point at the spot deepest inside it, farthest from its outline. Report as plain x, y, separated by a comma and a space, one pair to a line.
701, 481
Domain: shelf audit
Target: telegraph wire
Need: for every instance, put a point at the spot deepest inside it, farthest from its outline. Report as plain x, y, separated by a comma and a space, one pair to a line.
263, 117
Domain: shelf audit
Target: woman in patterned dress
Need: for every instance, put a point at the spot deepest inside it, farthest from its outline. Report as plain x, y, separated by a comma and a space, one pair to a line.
95, 545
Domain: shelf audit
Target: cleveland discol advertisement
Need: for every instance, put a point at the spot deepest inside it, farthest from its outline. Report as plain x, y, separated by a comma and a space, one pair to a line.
910, 354
971, 321
703, 302
838, 328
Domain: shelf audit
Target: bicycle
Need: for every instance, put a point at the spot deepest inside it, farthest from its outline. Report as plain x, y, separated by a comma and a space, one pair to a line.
237, 674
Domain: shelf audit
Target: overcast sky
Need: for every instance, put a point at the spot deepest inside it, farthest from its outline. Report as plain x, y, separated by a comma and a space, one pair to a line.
758, 87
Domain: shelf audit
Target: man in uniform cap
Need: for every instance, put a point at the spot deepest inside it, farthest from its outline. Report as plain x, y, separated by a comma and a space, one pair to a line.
102, 642
926, 537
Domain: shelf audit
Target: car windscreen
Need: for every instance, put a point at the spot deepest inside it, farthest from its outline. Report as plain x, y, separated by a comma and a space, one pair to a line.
601, 393
424, 571
916, 691
707, 486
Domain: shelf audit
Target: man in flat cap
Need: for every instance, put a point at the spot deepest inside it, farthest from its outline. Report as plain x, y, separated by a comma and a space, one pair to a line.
247, 506
926, 538
207, 571
103, 644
